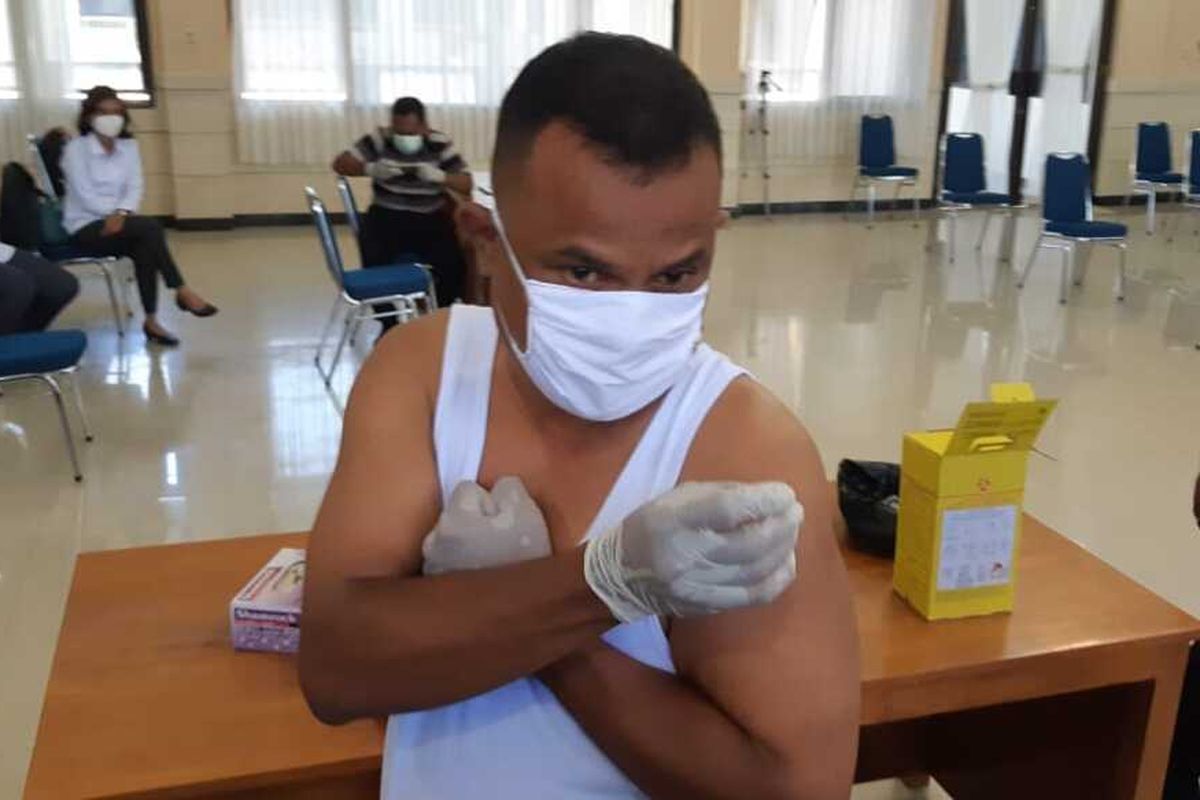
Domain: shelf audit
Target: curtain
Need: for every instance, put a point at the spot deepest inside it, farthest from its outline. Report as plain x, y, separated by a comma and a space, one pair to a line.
35, 72
312, 75
1059, 119
983, 105
833, 61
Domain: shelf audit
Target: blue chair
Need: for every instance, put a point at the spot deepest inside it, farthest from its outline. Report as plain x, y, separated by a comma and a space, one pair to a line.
964, 184
1067, 213
408, 287
57, 247
1152, 168
48, 357
877, 164
1191, 197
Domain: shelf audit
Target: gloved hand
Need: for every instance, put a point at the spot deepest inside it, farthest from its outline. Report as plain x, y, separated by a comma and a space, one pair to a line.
480, 529
430, 173
701, 548
384, 169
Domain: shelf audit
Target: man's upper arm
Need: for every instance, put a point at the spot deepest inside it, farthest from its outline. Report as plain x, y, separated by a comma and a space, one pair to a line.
384, 496
787, 672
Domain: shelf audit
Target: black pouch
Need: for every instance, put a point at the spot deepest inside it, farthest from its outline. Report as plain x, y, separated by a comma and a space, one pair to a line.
869, 497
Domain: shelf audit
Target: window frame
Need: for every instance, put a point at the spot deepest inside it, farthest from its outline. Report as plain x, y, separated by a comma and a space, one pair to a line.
142, 23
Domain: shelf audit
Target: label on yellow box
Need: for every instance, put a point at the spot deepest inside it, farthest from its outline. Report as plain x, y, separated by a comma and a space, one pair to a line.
960, 506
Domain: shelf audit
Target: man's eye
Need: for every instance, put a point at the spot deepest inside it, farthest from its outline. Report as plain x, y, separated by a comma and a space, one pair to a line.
674, 277
583, 274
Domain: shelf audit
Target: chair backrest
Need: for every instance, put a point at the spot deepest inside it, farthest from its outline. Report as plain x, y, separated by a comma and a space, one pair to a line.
1065, 188
876, 141
329, 247
1194, 163
34, 144
1153, 147
346, 192
963, 168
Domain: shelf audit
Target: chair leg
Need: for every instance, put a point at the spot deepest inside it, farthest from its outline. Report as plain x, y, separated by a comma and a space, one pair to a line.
337, 303
337, 353
987, 217
1064, 278
1010, 220
80, 409
895, 200
1121, 272
1151, 207
952, 235
916, 207
1029, 264
870, 203
1079, 266
854, 184
118, 316
56, 393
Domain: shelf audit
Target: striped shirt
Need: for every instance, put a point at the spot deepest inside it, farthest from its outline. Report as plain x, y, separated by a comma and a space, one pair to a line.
408, 192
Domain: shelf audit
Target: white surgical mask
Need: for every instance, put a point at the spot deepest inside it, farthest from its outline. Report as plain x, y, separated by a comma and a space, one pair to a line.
109, 125
603, 355
408, 143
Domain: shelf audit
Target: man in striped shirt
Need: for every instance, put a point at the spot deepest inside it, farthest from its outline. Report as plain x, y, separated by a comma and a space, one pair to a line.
410, 166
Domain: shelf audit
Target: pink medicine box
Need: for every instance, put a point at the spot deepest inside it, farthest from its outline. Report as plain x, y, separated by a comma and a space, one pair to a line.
265, 614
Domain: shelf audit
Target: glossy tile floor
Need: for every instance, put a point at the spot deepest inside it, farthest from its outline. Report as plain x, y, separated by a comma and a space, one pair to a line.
866, 333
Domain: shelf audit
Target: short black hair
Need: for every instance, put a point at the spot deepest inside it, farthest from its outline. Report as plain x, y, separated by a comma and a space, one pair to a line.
635, 101
91, 101
408, 105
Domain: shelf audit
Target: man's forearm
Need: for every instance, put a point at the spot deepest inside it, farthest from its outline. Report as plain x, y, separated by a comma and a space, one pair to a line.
461, 182
378, 646
665, 735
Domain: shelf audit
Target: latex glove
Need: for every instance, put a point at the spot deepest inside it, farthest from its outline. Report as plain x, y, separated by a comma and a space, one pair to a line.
384, 169
430, 173
701, 548
480, 529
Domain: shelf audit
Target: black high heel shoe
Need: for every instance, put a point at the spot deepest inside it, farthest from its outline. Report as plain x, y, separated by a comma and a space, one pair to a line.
163, 339
207, 310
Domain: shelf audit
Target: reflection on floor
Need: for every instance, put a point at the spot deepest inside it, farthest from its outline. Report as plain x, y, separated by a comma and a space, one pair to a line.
866, 333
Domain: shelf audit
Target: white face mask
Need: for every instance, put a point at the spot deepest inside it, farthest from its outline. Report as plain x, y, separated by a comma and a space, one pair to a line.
408, 143
109, 125
603, 355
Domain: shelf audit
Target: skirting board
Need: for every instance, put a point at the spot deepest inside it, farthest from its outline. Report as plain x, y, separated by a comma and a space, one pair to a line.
245, 221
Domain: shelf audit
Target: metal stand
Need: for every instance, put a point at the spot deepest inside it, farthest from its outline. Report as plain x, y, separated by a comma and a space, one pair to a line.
765, 85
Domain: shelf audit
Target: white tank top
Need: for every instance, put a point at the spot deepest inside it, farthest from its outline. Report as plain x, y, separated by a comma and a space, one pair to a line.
516, 741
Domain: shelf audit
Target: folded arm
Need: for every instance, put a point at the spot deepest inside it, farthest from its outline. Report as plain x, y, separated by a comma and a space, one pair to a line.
378, 637
765, 703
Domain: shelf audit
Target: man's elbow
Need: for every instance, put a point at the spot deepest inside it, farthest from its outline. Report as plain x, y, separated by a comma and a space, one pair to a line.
815, 784
319, 685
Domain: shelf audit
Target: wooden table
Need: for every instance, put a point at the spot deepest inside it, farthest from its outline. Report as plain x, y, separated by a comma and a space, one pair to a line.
1072, 695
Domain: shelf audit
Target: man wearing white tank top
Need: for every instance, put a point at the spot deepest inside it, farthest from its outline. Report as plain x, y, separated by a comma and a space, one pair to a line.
568, 549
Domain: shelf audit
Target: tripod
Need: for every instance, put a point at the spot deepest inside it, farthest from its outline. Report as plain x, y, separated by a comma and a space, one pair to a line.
765, 85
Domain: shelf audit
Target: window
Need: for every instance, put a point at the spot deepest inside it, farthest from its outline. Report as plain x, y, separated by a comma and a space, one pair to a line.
447, 52
8, 65
106, 42
818, 49
290, 50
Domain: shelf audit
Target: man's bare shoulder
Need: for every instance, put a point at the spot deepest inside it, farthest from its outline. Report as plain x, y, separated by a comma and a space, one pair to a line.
749, 434
407, 359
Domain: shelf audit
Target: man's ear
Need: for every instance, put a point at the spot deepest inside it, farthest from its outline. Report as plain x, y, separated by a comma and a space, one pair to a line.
477, 226
475, 222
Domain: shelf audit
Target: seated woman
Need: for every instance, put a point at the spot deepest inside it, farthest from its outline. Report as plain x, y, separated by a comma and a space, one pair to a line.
103, 173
